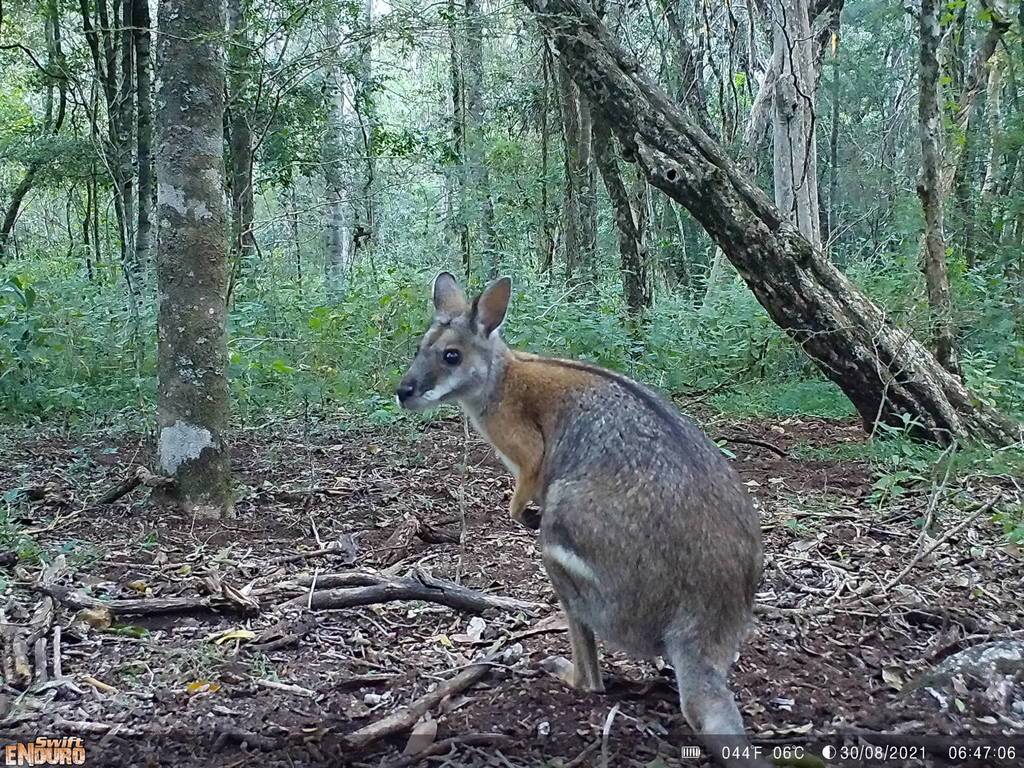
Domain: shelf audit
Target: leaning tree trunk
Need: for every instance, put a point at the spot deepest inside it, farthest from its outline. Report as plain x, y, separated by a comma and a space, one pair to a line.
192, 268
889, 376
929, 189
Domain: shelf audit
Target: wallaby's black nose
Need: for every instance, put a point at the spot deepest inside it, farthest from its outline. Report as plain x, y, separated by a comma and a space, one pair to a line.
405, 391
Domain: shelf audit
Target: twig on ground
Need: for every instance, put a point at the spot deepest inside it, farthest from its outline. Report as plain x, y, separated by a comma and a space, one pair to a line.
141, 476
17, 667
141, 606
298, 690
333, 548
367, 588
79, 727
760, 443
986, 507
445, 746
403, 719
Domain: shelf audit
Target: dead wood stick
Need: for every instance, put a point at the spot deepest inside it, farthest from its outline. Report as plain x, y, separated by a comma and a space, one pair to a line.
141, 606
79, 727
18, 639
297, 690
360, 588
942, 540
58, 670
760, 443
330, 549
404, 718
39, 652
141, 476
444, 746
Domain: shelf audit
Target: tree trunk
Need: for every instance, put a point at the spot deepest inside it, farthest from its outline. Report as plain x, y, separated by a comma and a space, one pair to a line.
929, 189
458, 221
240, 132
793, 118
338, 229
365, 210
993, 159
192, 268
571, 237
547, 244
889, 377
144, 130
478, 175
628, 224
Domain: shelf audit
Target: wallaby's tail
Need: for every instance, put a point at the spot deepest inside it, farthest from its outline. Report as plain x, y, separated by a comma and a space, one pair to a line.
710, 709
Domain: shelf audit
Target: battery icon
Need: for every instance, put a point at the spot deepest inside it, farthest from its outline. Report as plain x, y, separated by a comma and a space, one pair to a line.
689, 753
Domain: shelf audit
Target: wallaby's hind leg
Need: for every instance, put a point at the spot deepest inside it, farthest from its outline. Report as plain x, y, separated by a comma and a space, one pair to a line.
586, 669
711, 711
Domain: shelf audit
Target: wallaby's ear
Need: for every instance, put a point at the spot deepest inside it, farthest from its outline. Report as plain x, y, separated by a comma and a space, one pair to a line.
491, 306
448, 296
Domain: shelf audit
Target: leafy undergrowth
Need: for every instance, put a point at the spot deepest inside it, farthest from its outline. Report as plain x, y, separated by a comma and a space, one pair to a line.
842, 630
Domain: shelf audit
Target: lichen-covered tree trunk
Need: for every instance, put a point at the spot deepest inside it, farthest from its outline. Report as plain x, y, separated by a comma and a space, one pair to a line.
192, 262
628, 223
793, 117
144, 132
929, 190
889, 376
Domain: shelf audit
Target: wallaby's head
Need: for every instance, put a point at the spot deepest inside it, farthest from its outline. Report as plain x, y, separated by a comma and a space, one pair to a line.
458, 354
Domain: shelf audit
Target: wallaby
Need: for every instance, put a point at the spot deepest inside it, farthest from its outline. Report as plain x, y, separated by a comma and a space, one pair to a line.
649, 538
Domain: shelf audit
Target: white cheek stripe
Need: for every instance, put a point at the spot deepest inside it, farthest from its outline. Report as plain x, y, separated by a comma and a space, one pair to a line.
435, 394
570, 561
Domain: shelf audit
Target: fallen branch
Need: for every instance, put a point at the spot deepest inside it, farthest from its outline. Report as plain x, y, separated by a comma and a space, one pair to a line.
17, 667
362, 588
141, 476
760, 443
403, 719
942, 540
331, 549
138, 606
445, 746
297, 690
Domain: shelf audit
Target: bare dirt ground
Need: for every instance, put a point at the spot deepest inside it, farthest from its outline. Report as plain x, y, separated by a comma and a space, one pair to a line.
236, 677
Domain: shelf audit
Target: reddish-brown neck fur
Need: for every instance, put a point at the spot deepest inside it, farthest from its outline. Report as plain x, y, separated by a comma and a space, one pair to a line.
528, 406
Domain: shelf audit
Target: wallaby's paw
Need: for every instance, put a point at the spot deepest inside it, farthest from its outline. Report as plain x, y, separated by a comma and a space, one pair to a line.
564, 670
560, 668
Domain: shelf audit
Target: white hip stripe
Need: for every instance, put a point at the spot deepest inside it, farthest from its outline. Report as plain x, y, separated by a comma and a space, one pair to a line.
570, 561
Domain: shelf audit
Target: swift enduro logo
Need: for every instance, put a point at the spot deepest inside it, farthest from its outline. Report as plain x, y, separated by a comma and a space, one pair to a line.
43, 751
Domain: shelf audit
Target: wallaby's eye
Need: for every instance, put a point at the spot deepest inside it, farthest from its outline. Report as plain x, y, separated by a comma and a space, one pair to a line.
452, 356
